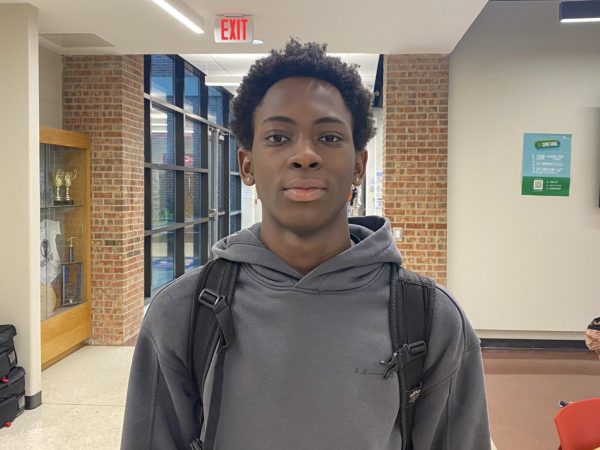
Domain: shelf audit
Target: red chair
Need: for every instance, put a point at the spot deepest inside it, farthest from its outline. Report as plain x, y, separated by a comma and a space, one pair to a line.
578, 425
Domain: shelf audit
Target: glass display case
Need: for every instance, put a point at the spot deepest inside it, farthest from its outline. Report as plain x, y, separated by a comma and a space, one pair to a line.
64, 241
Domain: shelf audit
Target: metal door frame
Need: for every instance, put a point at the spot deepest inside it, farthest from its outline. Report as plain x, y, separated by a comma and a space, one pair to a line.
215, 135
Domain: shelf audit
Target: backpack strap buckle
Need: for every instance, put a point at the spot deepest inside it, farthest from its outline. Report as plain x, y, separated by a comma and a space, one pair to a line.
218, 305
414, 350
404, 356
209, 299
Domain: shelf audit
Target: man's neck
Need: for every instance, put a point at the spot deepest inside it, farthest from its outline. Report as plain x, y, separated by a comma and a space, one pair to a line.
305, 252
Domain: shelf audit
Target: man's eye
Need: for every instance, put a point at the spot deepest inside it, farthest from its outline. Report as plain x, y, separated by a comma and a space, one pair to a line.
330, 138
277, 138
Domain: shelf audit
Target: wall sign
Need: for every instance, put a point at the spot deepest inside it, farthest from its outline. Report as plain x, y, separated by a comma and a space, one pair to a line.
234, 29
546, 164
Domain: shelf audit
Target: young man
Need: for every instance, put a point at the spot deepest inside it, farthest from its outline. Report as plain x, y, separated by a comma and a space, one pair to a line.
311, 298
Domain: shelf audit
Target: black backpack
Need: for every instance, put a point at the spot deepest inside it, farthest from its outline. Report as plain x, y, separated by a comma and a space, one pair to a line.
12, 378
410, 311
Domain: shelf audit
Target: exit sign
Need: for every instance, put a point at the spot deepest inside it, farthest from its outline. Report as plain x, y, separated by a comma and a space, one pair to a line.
234, 29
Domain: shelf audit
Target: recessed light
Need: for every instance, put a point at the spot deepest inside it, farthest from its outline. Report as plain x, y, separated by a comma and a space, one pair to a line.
257, 42
221, 83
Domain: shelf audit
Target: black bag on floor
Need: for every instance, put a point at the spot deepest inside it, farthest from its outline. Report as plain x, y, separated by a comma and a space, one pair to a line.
12, 396
8, 356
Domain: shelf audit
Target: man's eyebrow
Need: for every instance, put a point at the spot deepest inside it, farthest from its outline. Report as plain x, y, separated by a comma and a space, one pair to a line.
279, 119
285, 119
329, 119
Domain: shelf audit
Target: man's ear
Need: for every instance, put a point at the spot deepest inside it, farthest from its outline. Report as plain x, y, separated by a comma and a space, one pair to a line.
360, 167
245, 164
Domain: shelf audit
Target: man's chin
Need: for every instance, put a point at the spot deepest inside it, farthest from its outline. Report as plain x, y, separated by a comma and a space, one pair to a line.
307, 222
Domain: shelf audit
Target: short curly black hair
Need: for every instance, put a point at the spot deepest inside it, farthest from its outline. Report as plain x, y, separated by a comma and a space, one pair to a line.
301, 60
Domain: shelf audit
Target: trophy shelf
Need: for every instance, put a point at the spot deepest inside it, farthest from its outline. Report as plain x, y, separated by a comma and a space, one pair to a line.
65, 242
62, 206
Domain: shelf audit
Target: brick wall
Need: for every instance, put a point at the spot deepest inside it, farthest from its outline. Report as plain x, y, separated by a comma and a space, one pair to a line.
415, 142
103, 97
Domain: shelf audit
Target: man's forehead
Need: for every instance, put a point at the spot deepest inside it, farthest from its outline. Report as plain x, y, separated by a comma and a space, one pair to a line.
291, 92
302, 84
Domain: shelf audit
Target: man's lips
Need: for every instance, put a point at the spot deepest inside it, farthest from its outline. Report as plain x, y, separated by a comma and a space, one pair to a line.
303, 195
305, 184
304, 190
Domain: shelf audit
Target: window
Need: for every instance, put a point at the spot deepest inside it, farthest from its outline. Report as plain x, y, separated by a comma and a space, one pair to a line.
193, 248
218, 110
192, 184
192, 88
163, 197
162, 136
193, 139
163, 258
235, 187
162, 85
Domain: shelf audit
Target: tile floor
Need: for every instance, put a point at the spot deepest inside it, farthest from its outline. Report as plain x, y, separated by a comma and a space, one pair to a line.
524, 388
83, 404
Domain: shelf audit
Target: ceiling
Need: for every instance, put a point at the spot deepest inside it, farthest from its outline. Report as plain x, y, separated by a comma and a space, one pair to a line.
227, 70
363, 27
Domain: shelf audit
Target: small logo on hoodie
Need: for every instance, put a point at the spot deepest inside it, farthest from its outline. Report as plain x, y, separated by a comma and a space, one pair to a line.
365, 372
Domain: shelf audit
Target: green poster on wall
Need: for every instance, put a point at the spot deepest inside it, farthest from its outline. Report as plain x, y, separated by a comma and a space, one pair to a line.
546, 164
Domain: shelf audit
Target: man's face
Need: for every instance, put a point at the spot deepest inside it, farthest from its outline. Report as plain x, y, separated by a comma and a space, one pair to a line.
303, 158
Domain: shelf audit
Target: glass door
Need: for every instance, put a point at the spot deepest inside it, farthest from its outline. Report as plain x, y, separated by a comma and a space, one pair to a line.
217, 213
222, 174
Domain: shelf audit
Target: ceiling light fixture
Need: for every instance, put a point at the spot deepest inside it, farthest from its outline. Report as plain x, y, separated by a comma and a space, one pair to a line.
257, 42
183, 13
225, 83
579, 11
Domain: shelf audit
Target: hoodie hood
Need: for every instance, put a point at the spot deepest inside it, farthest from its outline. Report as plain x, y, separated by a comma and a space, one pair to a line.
354, 267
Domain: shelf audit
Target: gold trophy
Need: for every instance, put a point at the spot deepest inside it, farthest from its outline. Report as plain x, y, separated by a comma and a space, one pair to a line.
58, 181
69, 178
71, 249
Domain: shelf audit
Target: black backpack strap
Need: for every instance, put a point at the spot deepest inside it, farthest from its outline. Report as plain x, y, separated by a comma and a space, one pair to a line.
211, 330
410, 312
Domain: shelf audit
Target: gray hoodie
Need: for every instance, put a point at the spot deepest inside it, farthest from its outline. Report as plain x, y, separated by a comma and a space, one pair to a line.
304, 372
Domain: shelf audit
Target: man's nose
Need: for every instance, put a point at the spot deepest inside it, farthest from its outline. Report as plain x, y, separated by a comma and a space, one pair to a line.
305, 155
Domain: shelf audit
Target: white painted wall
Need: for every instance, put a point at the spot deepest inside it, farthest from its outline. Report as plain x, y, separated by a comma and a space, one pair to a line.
50, 88
19, 185
523, 266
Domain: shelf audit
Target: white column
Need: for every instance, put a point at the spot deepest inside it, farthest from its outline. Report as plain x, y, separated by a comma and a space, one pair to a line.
19, 187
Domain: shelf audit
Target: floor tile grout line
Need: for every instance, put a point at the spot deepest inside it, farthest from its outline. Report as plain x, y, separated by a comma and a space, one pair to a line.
80, 404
